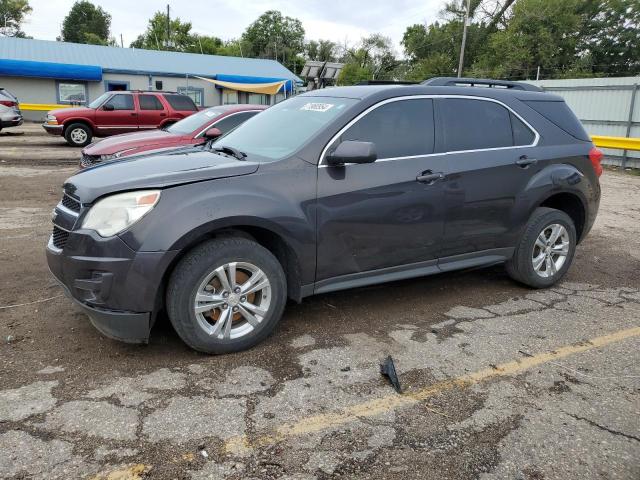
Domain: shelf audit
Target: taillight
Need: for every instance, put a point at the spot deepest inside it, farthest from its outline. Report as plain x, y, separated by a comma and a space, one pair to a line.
595, 155
8, 103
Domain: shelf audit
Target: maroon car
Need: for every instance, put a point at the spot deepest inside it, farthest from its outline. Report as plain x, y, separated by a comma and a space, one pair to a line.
118, 112
194, 130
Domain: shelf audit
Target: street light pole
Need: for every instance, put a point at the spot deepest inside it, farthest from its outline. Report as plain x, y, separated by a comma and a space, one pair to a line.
464, 38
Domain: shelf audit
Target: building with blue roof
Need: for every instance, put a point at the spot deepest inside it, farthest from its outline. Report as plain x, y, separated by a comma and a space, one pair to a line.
46, 74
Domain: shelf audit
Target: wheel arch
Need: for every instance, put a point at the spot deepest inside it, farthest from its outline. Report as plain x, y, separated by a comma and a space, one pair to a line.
269, 238
82, 120
572, 204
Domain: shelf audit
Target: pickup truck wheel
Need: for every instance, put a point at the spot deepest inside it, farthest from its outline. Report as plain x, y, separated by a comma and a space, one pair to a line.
546, 249
226, 295
78, 135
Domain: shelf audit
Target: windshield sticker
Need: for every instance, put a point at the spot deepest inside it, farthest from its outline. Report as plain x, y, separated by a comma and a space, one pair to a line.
210, 114
317, 107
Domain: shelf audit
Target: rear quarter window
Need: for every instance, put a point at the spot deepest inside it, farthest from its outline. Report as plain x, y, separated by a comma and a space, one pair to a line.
181, 102
561, 115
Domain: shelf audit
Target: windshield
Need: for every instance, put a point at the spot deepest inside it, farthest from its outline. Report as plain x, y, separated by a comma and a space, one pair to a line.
195, 121
282, 129
98, 101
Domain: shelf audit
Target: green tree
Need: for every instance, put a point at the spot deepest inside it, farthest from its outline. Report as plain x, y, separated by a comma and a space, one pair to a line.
372, 59
86, 23
353, 73
12, 15
321, 50
275, 36
609, 42
157, 37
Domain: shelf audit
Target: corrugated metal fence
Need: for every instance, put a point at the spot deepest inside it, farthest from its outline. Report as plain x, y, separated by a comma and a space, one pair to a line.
605, 106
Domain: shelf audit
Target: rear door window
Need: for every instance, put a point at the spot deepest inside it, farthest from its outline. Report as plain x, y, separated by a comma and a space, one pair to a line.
121, 102
468, 124
150, 102
181, 103
402, 128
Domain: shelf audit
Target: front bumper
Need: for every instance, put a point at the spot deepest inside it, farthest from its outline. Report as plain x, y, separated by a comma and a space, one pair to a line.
119, 289
53, 129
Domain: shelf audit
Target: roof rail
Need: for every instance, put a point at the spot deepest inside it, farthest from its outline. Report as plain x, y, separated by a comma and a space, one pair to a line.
386, 82
480, 82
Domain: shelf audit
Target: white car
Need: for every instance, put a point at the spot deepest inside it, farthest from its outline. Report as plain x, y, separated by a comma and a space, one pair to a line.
10, 114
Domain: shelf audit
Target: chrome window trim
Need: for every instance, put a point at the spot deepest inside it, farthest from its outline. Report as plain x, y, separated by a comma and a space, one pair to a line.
220, 119
420, 97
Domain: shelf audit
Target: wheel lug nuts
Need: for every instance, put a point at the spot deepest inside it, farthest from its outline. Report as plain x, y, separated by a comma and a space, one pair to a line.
225, 294
243, 299
235, 309
236, 290
225, 306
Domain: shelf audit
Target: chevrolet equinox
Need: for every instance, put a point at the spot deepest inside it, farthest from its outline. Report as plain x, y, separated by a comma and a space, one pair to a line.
329, 190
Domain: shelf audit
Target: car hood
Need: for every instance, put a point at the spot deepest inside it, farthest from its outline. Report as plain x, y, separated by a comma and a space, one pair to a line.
69, 112
118, 143
155, 171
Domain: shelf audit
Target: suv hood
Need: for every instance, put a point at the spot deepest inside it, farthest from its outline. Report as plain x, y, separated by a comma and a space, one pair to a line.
157, 171
71, 112
118, 143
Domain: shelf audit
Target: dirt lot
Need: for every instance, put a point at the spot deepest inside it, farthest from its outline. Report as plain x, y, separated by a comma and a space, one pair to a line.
500, 381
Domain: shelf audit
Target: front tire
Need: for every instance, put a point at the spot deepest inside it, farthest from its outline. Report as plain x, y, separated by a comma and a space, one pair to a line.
546, 249
226, 295
78, 135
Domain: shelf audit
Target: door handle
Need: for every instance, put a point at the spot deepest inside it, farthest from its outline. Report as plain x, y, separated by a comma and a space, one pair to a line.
524, 161
133, 114
163, 114
429, 177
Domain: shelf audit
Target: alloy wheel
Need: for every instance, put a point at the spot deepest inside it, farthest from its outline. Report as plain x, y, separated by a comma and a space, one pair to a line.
232, 300
78, 135
550, 250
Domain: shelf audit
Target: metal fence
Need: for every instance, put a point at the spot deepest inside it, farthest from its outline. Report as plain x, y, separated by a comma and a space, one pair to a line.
605, 106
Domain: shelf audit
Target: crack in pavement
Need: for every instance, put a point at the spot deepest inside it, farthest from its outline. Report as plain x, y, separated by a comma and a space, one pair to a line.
603, 427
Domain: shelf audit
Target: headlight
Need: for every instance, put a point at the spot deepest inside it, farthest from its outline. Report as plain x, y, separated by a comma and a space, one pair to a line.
116, 213
113, 156
52, 120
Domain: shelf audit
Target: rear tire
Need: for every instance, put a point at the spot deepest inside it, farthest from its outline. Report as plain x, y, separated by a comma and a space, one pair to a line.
226, 295
546, 249
78, 135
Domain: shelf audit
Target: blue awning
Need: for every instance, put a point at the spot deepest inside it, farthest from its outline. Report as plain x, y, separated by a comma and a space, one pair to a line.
59, 71
249, 79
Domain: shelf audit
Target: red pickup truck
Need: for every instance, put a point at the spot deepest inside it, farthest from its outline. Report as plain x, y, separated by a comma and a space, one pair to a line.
118, 112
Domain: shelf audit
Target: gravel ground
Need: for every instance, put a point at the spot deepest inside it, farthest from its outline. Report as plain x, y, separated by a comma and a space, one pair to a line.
500, 382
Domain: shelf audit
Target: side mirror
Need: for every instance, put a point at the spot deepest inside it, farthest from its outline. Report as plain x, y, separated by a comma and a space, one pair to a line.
108, 107
351, 151
213, 133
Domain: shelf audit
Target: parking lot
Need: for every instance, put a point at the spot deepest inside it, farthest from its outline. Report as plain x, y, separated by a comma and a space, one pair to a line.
499, 381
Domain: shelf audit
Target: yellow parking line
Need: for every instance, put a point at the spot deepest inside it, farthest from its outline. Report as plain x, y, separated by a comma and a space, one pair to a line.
316, 423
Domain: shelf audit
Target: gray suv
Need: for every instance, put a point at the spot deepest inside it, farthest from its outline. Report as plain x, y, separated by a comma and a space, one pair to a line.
10, 114
333, 189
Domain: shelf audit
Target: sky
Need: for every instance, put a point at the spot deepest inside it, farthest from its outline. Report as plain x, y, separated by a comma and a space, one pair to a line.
340, 21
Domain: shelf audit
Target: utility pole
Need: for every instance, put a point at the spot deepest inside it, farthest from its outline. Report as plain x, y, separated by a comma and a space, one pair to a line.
121, 41
464, 38
168, 28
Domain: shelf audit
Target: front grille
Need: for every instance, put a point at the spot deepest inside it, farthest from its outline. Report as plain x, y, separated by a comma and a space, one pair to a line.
70, 203
59, 237
87, 161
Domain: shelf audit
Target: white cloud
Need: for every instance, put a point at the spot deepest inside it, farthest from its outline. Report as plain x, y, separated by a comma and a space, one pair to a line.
334, 20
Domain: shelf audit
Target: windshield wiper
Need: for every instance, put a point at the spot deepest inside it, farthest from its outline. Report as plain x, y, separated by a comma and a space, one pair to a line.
230, 151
